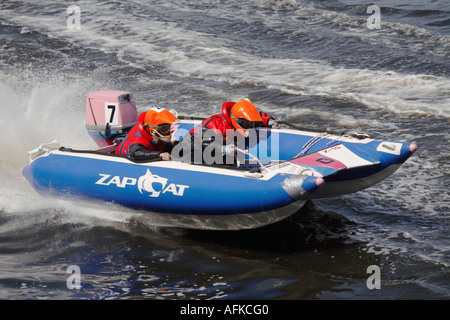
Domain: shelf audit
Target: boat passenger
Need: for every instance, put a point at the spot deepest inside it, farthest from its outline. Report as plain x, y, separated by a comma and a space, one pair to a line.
240, 116
236, 116
149, 139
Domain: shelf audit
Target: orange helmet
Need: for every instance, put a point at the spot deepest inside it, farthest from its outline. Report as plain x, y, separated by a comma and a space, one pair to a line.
244, 116
157, 122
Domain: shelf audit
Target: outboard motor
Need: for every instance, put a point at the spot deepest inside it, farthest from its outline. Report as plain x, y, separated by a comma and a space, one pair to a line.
110, 114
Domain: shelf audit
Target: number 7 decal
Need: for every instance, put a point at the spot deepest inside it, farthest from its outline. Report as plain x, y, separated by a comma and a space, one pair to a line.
110, 113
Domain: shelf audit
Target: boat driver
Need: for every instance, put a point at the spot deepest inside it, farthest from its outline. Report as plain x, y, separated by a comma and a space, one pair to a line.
239, 116
149, 139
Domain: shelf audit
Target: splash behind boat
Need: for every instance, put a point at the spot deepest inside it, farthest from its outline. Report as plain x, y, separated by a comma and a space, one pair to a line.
294, 166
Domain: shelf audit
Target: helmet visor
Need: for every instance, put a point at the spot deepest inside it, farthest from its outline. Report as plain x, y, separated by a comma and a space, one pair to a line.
161, 132
247, 124
163, 128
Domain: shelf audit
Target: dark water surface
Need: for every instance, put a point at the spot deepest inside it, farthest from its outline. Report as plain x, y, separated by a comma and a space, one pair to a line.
312, 63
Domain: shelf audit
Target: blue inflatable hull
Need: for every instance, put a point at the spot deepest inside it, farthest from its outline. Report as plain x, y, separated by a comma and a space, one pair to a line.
296, 166
347, 163
198, 196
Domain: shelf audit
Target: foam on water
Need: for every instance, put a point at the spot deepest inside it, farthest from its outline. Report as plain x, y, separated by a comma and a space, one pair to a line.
401, 221
41, 107
36, 108
195, 54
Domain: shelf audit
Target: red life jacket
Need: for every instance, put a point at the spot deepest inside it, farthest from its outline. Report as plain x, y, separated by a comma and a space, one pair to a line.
138, 134
220, 123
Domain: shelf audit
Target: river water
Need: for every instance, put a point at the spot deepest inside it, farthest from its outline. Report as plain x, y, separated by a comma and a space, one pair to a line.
313, 63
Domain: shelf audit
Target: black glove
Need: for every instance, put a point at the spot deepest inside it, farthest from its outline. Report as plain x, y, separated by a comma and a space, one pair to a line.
139, 152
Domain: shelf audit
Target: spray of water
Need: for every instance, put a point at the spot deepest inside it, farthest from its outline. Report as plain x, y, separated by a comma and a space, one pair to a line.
36, 107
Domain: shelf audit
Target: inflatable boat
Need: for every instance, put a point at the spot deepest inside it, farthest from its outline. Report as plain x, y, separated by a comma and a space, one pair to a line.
279, 171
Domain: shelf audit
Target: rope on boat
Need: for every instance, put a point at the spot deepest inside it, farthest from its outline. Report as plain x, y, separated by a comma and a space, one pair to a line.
311, 142
314, 140
249, 154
